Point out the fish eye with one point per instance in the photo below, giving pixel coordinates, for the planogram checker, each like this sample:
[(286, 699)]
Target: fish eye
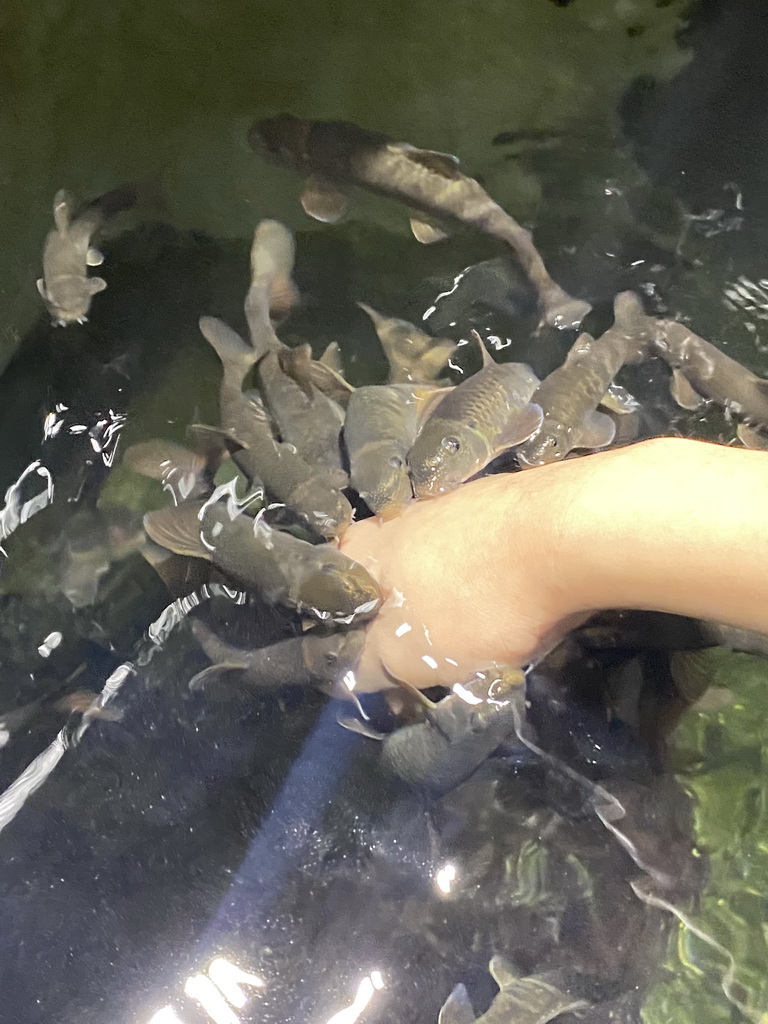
[(395, 462), (451, 444)]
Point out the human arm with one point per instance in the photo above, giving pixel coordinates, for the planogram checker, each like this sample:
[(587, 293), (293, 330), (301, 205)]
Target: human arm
[(496, 571)]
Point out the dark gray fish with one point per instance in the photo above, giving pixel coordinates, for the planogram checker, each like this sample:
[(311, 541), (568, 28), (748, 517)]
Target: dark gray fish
[(336, 156), (571, 394), (65, 287), (478, 420), (414, 357), (312, 660), (314, 579), (461, 731), (535, 999), (381, 425), (308, 490), (701, 371)]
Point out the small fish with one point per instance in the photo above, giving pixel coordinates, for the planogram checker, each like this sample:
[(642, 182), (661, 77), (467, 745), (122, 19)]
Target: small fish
[(478, 420), (272, 257), (702, 371), (87, 546), (536, 999), (317, 661), (414, 357), (12, 722), (310, 491), (336, 156), (381, 425), (65, 287), (314, 579), (460, 733), (187, 474), (571, 394)]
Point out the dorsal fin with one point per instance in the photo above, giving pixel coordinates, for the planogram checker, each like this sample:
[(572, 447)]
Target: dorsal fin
[(178, 529), (485, 355), (444, 164), (502, 972), (63, 205), (457, 1008), (296, 363)]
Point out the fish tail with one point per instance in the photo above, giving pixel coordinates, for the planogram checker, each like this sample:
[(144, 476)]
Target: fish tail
[(178, 529), (228, 345)]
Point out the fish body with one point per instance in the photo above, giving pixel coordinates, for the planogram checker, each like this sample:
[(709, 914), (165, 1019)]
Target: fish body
[(272, 257), (336, 155), (314, 579), (571, 394), (472, 425), (414, 357), (536, 999), (381, 425), (68, 252), (308, 490), (309, 661), (460, 733)]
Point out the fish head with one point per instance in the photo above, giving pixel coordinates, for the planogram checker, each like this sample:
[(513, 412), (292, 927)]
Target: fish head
[(392, 490), (446, 453), (339, 588), (281, 139), (331, 657), (68, 299), (551, 443), (324, 507)]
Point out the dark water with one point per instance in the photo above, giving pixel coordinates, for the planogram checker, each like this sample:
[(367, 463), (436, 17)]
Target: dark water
[(194, 833)]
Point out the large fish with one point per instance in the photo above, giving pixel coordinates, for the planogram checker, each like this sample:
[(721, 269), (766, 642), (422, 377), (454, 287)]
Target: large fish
[(319, 661), (65, 287), (337, 155), (571, 394), (316, 580), (476, 421), (381, 425), (536, 999), (309, 490), (413, 356)]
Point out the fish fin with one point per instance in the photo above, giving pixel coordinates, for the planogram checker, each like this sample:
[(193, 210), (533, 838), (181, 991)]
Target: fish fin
[(331, 358), (355, 725), (226, 343), (178, 530), (617, 399), (323, 200), (485, 355), (41, 289), (157, 458), (502, 972), (331, 383), (428, 397), (94, 258), (425, 232), (445, 164), (375, 316), (284, 296), (752, 437), (216, 649), (457, 1008), (519, 427), (683, 391), (201, 679), (410, 688), (296, 363), (82, 701), (598, 430), (96, 285), (212, 443), (63, 205)]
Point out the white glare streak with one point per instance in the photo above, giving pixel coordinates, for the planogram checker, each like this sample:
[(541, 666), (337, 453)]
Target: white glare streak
[(402, 630), (203, 991), (165, 1016), (229, 977), (444, 295), (15, 513), (50, 644), (349, 680), (365, 990), (464, 694), (445, 877), (429, 660)]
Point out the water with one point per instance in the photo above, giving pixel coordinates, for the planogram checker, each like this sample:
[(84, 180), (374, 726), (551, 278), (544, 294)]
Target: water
[(253, 829)]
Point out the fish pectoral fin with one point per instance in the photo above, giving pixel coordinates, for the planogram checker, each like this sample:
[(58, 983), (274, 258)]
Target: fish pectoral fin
[(752, 437), (519, 427), (41, 289), (178, 530), (597, 431), (502, 972), (683, 391), (332, 358), (62, 209), (409, 688), (445, 164), (94, 258), (323, 200), (96, 285), (201, 679), (618, 400), (355, 725), (457, 1008), (426, 232)]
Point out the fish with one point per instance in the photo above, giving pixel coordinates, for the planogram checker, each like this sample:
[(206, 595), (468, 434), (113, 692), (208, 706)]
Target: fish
[(186, 473), (571, 394), (473, 424), (318, 661), (87, 546), (536, 999), (316, 580), (336, 156), (414, 357), (68, 252), (461, 731), (272, 257), (12, 722), (701, 371), (381, 425), (310, 491)]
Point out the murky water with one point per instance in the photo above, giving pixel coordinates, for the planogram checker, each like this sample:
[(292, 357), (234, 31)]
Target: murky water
[(184, 856)]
